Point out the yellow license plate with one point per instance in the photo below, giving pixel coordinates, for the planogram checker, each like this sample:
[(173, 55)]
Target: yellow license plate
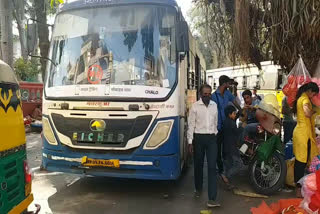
[(97, 162)]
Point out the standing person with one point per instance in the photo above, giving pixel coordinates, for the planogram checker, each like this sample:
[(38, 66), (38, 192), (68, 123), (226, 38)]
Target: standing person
[(222, 96), (231, 155), (288, 122), (235, 93), (202, 125), (237, 99), (304, 145)]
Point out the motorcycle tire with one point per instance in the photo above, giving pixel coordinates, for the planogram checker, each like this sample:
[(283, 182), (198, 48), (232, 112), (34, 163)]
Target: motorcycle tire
[(279, 180)]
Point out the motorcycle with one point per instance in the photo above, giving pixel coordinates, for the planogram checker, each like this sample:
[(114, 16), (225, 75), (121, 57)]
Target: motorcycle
[(266, 177)]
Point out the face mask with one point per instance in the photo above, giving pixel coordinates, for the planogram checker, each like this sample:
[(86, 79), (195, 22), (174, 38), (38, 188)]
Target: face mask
[(206, 100)]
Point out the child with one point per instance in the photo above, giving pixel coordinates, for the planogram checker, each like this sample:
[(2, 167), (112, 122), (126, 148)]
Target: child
[(231, 135)]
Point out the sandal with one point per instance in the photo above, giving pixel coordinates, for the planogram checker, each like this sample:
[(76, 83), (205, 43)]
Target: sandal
[(224, 179)]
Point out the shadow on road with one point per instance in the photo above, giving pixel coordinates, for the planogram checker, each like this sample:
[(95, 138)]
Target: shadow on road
[(113, 195), (97, 195)]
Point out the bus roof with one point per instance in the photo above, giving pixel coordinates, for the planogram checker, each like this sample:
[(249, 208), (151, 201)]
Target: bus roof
[(75, 4)]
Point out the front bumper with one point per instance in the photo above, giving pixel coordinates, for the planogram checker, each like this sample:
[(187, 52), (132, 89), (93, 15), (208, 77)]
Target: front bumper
[(23, 206), (139, 167)]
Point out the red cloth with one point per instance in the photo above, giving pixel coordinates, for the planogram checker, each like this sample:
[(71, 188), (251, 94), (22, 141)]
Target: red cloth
[(277, 208), (262, 209), (318, 179), (315, 202)]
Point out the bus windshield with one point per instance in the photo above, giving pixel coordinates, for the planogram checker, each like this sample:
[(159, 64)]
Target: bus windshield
[(130, 49)]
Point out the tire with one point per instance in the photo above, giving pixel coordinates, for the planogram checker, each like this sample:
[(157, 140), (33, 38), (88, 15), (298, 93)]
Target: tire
[(277, 178), (186, 156)]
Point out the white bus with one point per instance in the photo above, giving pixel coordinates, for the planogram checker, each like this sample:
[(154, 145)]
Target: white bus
[(116, 93)]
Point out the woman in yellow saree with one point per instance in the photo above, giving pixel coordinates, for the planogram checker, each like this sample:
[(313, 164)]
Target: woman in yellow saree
[(304, 146)]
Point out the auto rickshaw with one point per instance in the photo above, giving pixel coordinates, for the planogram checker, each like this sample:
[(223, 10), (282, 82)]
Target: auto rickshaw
[(15, 175)]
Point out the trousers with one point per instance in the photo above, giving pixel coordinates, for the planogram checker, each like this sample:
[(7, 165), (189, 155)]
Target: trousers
[(205, 145)]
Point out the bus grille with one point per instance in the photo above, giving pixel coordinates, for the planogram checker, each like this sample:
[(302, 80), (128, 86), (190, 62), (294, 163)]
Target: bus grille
[(12, 184), (116, 134)]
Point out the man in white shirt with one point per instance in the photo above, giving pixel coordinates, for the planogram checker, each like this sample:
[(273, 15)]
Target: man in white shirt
[(202, 131)]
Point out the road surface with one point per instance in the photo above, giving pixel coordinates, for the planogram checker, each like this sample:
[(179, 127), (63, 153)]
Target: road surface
[(62, 193)]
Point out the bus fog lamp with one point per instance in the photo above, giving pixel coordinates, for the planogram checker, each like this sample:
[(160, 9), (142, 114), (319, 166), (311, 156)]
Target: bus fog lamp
[(47, 132), (160, 134)]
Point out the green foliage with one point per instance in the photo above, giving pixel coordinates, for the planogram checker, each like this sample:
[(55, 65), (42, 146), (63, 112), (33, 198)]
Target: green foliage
[(56, 2), (53, 5), (27, 70), (207, 53)]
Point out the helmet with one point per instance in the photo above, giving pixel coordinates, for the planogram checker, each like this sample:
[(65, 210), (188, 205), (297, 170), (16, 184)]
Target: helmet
[(270, 105)]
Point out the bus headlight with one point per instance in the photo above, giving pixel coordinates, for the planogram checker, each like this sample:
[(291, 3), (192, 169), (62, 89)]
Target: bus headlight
[(159, 135), (47, 132)]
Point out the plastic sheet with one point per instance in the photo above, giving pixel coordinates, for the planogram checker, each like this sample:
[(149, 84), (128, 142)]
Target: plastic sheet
[(311, 192), (298, 76)]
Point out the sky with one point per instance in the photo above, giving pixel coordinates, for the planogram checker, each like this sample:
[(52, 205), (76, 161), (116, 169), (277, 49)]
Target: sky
[(185, 6)]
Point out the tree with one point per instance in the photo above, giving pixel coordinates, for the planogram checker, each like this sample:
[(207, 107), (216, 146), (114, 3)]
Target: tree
[(6, 31), (43, 32), (208, 54), (27, 70), (270, 29), (42, 9), (19, 15), (212, 26), (296, 31)]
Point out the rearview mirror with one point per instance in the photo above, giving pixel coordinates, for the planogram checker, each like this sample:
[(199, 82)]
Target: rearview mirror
[(32, 37), (182, 36)]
